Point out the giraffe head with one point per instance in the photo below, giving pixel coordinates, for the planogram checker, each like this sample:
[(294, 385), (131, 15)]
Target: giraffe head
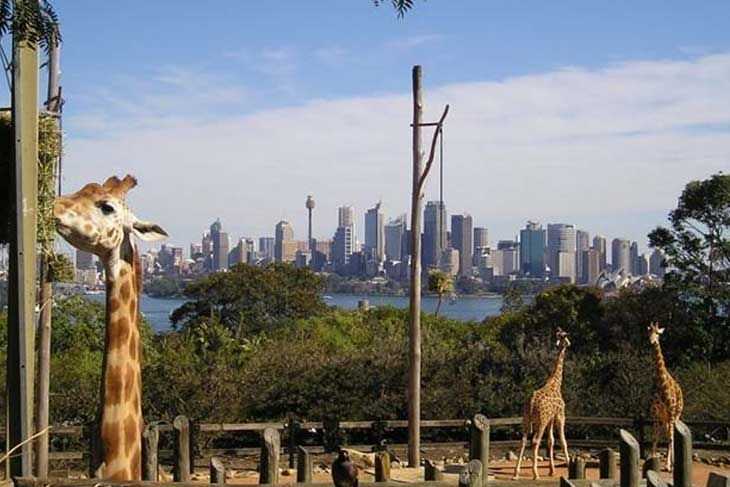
[(654, 332), (562, 336), (96, 218)]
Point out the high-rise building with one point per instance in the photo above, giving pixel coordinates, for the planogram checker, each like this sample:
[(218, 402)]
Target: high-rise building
[(461, 239), (642, 265), (375, 233), (243, 252), (591, 265), (266, 248), (634, 259), (434, 234), (621, 255), (481, 245), (506, 258), (561, 240), (395, 236), (450, 261), (582, 243), (220, 244), (343, 243), (196, 250), (532, 250), (84, 260), (599, 243), (309, 204), (284, 245), (656, 263)]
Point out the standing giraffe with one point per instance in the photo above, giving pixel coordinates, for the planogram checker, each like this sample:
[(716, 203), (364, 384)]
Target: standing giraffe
[(96, 219), (546, 409), (667, 405)]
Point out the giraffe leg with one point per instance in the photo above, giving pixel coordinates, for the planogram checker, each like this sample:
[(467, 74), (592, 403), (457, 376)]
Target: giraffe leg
[(670, 448), (519, 459), (658, 432), (561, 432), (535, 446), (551, 452)]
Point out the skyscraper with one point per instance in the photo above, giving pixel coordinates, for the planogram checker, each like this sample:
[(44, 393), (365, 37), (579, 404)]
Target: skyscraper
[(591, 263), (266, 248), (220, 244), (461, 240), (375, 233), (621, 255), (561, 250), (395, 236), (656, 263), (343, 243), (506, 258), (84, 260), (284, 244), (599, 243), (481, 245), (634, 259), (532, 250), (309, 204), (434, 234), (582, 243)]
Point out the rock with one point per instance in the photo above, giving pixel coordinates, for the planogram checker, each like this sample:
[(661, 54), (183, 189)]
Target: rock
[(510, 455), (695, 457)]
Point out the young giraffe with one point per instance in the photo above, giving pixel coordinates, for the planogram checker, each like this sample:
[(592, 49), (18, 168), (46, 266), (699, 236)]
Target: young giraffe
[(96, 219), (667, 405), (546, 409)]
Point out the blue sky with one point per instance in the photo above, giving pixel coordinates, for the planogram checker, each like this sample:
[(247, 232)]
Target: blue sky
[(561, 111)]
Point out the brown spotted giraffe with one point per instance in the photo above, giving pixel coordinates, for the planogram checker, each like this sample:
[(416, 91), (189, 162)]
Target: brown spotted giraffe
[(667, 405), (96, 219), (544, 410)]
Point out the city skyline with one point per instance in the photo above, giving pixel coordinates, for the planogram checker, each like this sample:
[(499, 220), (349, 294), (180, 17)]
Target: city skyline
[(601, 130)]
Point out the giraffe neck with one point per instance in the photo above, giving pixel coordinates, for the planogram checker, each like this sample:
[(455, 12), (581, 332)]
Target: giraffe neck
[(663, 377), (556, 378), (121, 415)]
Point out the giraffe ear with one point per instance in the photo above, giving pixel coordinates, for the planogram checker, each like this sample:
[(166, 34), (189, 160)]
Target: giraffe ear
[(148, 231), (660, 330)]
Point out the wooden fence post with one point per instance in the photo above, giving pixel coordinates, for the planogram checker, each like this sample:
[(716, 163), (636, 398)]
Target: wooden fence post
[(432, 472), (577, 468), (150, 440), (181, 428), (304, 466), (654, 480), (607, 459), (217, 471), (382, 466), (641, 425), (471, 476), (479, 445), (269, 461), (292, 428), (651, 463), (682, 455), (629, 449)]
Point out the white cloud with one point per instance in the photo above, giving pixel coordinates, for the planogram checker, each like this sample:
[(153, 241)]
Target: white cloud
[(413, 41), (572, 144)]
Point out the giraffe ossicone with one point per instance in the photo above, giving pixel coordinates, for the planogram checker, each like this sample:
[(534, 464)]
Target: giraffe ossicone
[(97, 219), (544, 410)]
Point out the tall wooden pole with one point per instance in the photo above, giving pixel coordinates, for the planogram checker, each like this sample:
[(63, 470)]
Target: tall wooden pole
[(22, 282), (53, 104), (414, 332)]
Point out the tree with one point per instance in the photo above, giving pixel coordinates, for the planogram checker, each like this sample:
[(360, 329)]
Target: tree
[(33, 21), (696, 250), (440, 283), (400, 6), (250, 300)]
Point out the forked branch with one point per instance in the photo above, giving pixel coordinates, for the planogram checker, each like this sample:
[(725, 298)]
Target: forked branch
[(432, 154)]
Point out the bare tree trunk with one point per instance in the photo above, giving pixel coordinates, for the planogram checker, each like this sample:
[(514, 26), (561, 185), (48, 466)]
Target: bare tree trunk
[(414, 331), (438, 306)]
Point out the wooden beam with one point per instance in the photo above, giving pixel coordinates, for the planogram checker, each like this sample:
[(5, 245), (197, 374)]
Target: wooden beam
[(22, 279)]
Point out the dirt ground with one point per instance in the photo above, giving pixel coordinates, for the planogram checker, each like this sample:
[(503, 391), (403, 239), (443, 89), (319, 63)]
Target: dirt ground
[(243, 471)]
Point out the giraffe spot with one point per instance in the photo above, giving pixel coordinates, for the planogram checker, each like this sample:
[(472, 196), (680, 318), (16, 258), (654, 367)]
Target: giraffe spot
[(133, 309), (111, 436), (125, 291), (133, 351), (114, 305), (110, 233), (136, 464), (132, 432), (88, 228), (124, 270), (135, 404), (119, 332), (130, 380), (114, 385)]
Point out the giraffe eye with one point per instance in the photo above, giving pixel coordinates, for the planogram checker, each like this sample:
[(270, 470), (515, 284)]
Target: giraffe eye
[(106, 208)]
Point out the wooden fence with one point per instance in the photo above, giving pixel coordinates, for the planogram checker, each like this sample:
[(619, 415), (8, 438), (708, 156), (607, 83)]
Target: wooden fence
[(627, 473)]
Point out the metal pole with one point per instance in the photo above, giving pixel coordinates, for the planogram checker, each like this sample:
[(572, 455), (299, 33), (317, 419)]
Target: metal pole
[(414, 332), (22, 282)]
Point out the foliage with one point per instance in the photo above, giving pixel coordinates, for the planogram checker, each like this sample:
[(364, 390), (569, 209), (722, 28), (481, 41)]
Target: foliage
[(33, 21), (400, 6), (440, 283), (164, 287), (697, 254), (249, 300)]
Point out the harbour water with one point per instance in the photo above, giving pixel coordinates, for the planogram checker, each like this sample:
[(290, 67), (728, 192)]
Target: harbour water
[(157, 311)]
